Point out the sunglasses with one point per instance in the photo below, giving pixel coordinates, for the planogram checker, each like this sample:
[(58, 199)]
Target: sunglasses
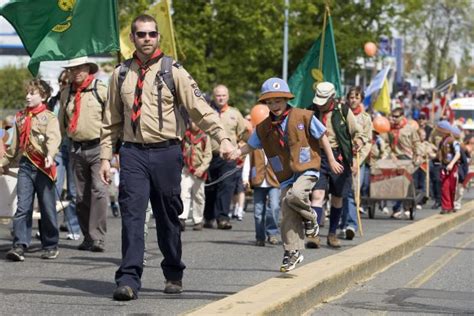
[(152, 34), (395, 116)]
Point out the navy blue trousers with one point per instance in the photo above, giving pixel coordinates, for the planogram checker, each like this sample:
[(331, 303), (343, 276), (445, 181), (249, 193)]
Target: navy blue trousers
[(155, 175)]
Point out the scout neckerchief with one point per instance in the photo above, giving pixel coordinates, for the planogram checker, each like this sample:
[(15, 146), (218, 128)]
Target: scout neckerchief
[(193, 139), (26, 125), (326, 113), (276, 125), (144, 67), (77, 102), (357, 110), (395, 131)]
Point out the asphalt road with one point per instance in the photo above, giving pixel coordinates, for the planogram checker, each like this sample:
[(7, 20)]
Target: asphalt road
[(437, 279), (219, 263)]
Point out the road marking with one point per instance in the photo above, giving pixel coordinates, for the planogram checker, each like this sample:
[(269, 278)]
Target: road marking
[(429, 272)]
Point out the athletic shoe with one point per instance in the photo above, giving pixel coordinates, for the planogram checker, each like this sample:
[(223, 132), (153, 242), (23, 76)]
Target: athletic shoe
[(313, 242), (16, 254), (290, 260), (50, 253), (173, 287), (73, 236), (350, 233), (311, 228), (124, 293), (85, 245), (332, 241), (260, 243)]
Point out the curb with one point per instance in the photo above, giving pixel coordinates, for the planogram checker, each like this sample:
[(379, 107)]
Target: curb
[(297, 292)]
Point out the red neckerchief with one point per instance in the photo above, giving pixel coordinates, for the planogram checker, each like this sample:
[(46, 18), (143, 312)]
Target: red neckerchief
[(276, 124), (143, 69), (193, 139), (77, 102), (395, 130), (26, 125), (357, 110), (325, 114)]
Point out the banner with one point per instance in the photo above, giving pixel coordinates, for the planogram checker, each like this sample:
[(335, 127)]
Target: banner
[(318, 65), (62, 30)]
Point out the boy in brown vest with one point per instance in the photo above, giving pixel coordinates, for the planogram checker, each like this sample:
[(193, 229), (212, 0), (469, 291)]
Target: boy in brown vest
[(291, 139), (37, 138)]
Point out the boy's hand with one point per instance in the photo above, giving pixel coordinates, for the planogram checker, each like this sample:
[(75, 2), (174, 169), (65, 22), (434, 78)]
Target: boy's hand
[(358, 144), (226, 148), (235, 154), (336, 167)]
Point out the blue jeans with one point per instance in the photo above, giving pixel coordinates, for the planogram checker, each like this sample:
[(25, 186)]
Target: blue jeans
[(349, 210), (30, 181), (64, 169), (420, 180), (266, 223)]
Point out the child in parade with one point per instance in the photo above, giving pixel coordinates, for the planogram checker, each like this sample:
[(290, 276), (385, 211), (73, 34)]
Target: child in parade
[(197, 155), (449, 153), (292, 139), (345, 138), (36, 138)]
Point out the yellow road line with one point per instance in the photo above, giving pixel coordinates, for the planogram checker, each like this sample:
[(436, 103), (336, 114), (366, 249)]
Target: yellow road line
[(429, 272)]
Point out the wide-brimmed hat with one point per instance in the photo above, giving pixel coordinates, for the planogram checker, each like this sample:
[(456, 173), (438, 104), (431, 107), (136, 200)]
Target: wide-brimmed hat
[(324, 91), (82, 61), (444, 127), (275, 88)]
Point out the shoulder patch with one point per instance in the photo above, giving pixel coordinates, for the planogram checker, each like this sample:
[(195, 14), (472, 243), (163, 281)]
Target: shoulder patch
[(300, 126), (197, 93), (177, 65)]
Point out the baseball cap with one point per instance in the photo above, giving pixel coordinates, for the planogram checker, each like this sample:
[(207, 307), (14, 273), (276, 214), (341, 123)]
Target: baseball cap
[(324, 91)]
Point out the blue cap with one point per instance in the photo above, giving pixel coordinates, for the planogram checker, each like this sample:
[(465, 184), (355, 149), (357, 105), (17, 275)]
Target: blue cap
[(456, 131), (275, 88), (444, 127)]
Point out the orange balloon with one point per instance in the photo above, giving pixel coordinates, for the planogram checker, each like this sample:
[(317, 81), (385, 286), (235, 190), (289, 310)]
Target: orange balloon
[(381, 124), (258, 113), (370, 49), (414, 123)]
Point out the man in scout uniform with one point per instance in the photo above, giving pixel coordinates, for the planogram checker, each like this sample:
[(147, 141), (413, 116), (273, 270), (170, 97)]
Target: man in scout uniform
[(80, 119), (219, 196), (349, 224), (291, 139), (146, 114), (197, 155), (36, 137), (345, 137), (405, 145)]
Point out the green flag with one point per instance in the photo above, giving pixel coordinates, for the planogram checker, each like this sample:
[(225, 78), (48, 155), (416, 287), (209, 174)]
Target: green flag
[(303, 81), (63, 29)]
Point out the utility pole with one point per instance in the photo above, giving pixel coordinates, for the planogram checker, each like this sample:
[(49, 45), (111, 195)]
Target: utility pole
[(285, 41)]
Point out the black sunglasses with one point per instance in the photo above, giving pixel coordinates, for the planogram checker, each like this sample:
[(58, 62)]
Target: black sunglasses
[(395, 116), (152, 34)]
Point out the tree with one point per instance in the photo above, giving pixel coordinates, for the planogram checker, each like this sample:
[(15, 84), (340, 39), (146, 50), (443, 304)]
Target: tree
[(12, 87)]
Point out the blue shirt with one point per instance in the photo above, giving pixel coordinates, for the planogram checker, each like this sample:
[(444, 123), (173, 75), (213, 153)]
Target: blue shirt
[(316, 130)]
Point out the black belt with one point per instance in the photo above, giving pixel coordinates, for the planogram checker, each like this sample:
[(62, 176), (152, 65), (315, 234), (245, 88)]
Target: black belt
[(164, 144), (87, 144)]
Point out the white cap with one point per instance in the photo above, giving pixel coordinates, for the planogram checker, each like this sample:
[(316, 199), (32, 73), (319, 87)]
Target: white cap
[(82, 61), (324, 91)]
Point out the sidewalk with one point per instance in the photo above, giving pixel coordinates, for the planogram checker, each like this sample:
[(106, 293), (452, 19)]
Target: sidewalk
[(219, 264)]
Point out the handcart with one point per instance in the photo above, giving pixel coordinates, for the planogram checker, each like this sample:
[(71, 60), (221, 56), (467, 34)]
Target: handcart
[(392, 180)]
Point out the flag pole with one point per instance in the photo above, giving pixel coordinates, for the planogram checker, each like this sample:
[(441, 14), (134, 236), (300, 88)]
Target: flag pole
[(323, 35), (448, 98), (433, 107), (285, 41)]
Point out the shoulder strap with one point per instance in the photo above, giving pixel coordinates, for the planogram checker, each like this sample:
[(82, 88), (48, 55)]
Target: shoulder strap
[(166, 74), (96, 94), (124, 67)]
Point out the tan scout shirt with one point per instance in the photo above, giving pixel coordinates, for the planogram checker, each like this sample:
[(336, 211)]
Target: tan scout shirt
[(364, 121), (117, 118), (44, 136), (234, 125), (354, 129), (90, 117), (408, 143)]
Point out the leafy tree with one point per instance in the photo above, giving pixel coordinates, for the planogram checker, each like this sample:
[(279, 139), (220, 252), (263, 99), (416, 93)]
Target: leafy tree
[(12, 87)]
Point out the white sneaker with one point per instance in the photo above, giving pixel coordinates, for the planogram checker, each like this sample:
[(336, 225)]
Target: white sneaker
[(418, 207), (457, 206), (73, 237), (385, 210), (407, 214), (361, 210)]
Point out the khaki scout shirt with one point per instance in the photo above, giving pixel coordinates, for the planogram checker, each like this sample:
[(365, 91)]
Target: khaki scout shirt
[(408, 143), (117, 118), (234, 125), (202, 157), (364, 122), (90, 117), (44, 136), (354, 129)]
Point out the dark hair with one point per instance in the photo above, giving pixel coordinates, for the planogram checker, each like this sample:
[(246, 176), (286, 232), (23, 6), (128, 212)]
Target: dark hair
[(41, 86), (358, 90), (63, 76), (143, 18)]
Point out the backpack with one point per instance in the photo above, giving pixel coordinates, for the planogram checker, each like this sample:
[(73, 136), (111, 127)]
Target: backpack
[(164, 75)]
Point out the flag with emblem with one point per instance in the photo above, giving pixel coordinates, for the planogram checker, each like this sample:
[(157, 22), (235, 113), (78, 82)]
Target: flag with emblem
[(161, 12), (63, 29), (319, 64)]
